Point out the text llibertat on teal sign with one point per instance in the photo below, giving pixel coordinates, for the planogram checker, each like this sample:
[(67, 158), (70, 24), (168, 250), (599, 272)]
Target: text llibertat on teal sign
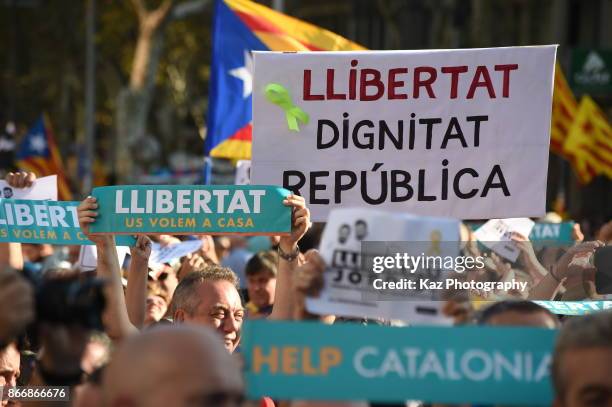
[(479, 365), (193, 209), (36, 221)]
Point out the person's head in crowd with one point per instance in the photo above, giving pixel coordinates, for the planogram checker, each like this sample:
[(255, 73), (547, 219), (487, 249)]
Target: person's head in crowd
[(167, 279), (96, 353), (582, 362), (551, 217), (9, 368), (36, 253), (518, 313), (210, 297), (172, 366), (89, 393), (604, 233), (156, 303), (73, 253), (261, 272), (222, 246), (238, 242)]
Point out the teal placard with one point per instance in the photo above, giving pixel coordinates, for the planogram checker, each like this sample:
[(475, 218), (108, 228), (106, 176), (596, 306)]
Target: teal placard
[(560, 233), (192, 209), (575, 307), (479, 365), (552, 232), (53, 222)]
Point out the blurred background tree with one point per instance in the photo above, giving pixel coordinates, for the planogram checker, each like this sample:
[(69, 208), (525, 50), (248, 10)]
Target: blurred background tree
[(153, 64)]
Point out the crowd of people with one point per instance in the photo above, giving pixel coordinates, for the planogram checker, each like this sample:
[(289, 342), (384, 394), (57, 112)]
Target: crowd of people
[(135, 335)]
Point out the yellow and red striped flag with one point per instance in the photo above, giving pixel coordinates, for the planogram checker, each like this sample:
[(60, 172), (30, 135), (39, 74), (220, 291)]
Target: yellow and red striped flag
[(590, 142), (279, 32), (564, 111)]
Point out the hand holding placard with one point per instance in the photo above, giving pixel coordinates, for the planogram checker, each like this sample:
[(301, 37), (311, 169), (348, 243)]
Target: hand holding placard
[(141, 251), (300, 221), (25, 185), (21, 179), (87, 215)]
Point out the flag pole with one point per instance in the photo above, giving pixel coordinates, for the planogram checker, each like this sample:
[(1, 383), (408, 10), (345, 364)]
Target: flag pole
[(90, 97)]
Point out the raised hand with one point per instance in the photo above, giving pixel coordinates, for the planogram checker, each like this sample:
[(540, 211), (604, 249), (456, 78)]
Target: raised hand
[(300, 222), (141, 251), (87, 213), (21, 179)]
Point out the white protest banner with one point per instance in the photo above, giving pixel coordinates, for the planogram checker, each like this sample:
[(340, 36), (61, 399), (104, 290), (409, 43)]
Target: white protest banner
[(243, 172), (349, 286), (459, 133), (165, 254), (495, 234), (88, 257), (44, 188)]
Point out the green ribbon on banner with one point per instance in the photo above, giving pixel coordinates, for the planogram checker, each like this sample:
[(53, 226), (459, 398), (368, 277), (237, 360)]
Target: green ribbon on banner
[(279, 95), (477, 365)]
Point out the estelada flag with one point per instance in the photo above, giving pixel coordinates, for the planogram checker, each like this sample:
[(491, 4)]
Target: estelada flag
[(39, 154), (242, 26), (590, 142)]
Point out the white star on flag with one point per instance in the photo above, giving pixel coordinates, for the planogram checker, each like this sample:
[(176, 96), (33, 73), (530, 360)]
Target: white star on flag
[(38, 143), (245, 74)]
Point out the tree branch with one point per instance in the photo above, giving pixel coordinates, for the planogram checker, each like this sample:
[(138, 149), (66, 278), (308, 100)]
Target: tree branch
[(139, 7), (157, 16)]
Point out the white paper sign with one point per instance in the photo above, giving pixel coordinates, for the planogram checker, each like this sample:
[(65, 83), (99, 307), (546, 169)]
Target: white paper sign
[(345, 292), (243, 172), (161, 255), (44, 188), (453, 133), (88, 256), (496, 235)]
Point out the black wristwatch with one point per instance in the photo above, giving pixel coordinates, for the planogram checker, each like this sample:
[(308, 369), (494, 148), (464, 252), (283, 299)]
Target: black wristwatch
[(289, 256)]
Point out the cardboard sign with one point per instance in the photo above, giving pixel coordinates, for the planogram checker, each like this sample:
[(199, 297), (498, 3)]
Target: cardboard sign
[(166, 254), (44, 188), (88, 257), (349, 289), (476, 365), (544, 232), (53, 222), (243, 172), (460, 133), (495, 234), (192, 209)]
